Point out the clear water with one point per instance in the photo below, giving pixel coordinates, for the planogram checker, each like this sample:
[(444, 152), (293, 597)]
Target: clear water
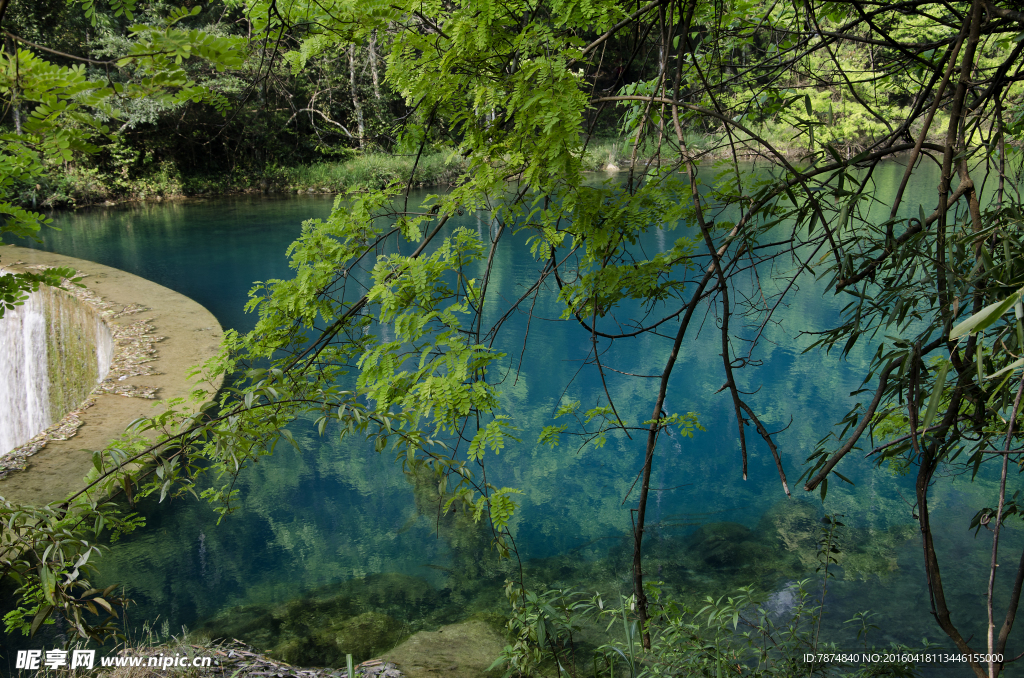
[(344, 531)]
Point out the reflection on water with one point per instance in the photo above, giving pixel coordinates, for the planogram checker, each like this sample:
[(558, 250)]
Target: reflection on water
[(336, 548)]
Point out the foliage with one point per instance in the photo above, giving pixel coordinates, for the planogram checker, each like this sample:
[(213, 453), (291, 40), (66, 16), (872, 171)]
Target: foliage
[(739, 633), (515, 90), (58, 581), (14, 289), (68, 111), (542, 627), (732, 634)]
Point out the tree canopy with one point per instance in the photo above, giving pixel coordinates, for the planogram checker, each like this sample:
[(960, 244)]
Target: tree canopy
[(816, 94)]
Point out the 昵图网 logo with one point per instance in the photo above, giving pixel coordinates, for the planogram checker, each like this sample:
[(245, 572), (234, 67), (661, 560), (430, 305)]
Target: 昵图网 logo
[(86, 659)]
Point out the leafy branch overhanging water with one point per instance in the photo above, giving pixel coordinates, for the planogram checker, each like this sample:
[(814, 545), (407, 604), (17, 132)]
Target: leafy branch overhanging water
[(507, 87)]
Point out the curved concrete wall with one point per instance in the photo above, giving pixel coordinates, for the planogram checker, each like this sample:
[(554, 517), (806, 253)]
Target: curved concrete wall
[(53, 351), (158, 335)]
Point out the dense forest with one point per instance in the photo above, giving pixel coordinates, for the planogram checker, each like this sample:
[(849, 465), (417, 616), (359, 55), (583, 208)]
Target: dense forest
[(510, 103), (293, 102), (282, 107), (267, 113)]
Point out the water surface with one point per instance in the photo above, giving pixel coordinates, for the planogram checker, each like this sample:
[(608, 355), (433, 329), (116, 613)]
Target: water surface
[(344, 526)]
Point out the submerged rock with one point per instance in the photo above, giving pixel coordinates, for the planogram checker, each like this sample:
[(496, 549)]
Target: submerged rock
[(726, 546), (463, 650), (368, 634), (363, 636), (782, 603), (794, 526), (320, 629), (721, 545), (869, 553)]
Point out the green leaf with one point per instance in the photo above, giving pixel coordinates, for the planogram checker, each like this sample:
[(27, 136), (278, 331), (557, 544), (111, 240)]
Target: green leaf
[(291, 439), (933, 401), (41, 616), (1012, 366), (843, 478), (985, 317), (47, 582)]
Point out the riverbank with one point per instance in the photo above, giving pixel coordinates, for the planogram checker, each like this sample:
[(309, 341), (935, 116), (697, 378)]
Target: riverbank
[(74, 187), (227, 658), (82, 187), (463, 650)]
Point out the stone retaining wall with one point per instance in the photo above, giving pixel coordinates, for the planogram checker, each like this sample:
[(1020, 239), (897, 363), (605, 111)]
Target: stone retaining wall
[(157, 334)]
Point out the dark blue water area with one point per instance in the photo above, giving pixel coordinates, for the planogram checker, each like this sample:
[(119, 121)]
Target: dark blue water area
[(310, 522), (210, 251)]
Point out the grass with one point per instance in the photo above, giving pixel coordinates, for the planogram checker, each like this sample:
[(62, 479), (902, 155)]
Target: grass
[(70, 186), (371, 169)]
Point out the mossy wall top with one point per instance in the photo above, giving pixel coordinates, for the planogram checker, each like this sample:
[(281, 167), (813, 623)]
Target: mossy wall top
[(53, 351)]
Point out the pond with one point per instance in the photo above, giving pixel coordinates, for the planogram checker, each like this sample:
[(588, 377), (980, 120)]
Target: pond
[(341, 530)]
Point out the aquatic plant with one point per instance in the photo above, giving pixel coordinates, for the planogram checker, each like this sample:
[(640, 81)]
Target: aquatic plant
[(738, 632)]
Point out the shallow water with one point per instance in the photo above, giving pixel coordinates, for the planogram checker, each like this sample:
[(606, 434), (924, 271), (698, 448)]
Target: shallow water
[(344, 526)]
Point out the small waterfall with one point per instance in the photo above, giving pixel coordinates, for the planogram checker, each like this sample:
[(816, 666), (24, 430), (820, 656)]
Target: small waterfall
[(53, 350), (24, 386)]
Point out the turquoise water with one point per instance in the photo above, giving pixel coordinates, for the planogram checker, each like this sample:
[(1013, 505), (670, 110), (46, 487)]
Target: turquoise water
[(343, 526)]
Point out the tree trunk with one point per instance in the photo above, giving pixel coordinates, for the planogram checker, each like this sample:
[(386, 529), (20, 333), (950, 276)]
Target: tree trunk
[(356, 104), (12, 50), (373, 64)]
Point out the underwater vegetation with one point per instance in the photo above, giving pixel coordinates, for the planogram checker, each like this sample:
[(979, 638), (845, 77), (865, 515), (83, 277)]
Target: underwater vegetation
[(718, 557), (785, 542), (362, 617), (368, 616)]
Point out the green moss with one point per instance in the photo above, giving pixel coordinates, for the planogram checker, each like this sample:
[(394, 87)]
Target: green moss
[(873, 552), (328, 641), (464, 650), (364, 636), (71, 358)]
